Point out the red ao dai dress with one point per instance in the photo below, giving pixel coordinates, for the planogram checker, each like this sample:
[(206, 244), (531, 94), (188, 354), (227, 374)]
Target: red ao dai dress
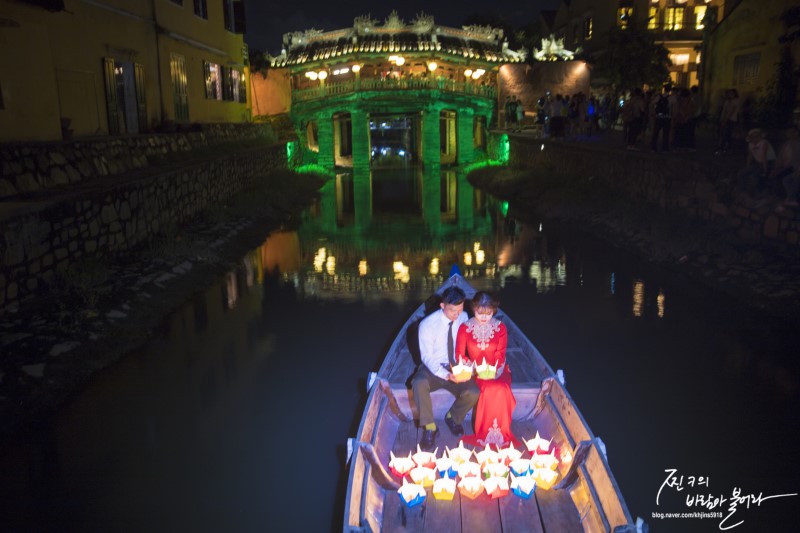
[(488, 341)]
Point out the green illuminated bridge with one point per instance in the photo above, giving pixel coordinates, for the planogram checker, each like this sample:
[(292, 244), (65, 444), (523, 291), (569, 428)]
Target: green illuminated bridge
[(396, 94)]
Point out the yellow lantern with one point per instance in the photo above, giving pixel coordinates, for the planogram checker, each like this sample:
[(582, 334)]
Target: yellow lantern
[(444, 488), (462, 371), (548, 461), (545, 478)]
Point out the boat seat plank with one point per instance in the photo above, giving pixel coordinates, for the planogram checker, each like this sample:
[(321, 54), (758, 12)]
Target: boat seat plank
[(558, 512), (520, 516), (443, 516), (480, 515)]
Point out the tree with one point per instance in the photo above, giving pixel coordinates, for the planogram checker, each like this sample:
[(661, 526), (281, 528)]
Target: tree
[(777, 106), (631, 59)]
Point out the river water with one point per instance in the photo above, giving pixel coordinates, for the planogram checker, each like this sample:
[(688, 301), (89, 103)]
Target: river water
[(235, 416)]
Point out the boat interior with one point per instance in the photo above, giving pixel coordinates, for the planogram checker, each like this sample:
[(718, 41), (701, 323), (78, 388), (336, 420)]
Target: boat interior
[(585, 497)]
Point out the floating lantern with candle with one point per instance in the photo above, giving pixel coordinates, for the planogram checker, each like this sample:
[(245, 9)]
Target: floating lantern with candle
[(444, 488), (523, 486), (520, 467), (422, 475), (507, 455), (486, 371), (427, 459), (538, 444), (411, 494), (459, 454), (469, 469), (446, 467), (400, 466), (545, 477), (471, 487), (496, 487), (487, 455), (495, 470), (547, 460), (462, 371)]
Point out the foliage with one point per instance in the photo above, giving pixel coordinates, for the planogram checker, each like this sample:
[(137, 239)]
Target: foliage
[(632, 59), (776, 107), (258, 62)]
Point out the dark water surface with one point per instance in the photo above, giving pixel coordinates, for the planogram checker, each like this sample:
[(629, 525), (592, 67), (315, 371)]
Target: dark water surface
[(235, 417)]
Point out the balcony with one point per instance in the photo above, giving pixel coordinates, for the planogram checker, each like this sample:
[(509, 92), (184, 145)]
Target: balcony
[(403, 84)]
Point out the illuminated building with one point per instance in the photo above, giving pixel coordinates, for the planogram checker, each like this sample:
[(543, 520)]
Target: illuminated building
[(393, 94), (77, 68)]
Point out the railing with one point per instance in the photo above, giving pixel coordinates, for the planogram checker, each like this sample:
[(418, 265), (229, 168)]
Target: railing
[(390, 84)]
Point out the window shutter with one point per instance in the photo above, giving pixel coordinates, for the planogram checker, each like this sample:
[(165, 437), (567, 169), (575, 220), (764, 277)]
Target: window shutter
[(141, 97), (112, 105), (239, 21)]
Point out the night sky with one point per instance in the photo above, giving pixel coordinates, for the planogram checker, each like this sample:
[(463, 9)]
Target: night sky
[(268, 20)]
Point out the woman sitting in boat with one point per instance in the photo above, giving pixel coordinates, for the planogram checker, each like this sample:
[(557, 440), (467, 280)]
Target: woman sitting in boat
[(483, 340)]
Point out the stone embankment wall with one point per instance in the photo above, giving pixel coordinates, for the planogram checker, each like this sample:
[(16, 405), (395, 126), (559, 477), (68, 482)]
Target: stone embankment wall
[(45, 235), (30, 168), (673, 182)]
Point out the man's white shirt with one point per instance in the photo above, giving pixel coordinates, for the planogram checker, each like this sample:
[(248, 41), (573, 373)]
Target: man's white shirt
[(433, 341)]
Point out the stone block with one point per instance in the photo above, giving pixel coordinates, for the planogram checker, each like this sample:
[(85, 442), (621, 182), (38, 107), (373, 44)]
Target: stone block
[(47, 260), (14, 254), (90, 246), (73, 175), (12, 291), (125, 211), (108, 214), (26, 183), (61, 253), (7, 189), (57, 158), (58, 176), (791, 237)]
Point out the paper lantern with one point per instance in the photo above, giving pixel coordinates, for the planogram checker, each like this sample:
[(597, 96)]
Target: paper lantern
[(496, 487), (520, 467), (462, 371), (400, 466), (411, 494), (460, 454), (487, 455), (444, 488), (427, 459), (469, 469), (446, 467), (495, 470), (538, 445), (523, 486), (545, 477), (486, 371), (422, 475), (547, 460), (471, 487), (507, 455)]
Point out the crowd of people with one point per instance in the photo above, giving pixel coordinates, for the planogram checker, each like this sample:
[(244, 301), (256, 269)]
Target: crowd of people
[(667, 121)]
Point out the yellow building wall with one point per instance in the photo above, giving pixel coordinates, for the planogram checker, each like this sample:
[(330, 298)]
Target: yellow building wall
[(30, 98), (752, 27), (199, 40), (58, 72)]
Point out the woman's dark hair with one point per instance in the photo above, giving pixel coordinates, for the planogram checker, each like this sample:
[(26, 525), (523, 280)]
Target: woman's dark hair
[(483, 299)]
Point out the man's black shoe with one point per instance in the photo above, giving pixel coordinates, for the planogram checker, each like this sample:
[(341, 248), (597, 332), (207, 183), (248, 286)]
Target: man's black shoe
[(428, 441), (455, 429)]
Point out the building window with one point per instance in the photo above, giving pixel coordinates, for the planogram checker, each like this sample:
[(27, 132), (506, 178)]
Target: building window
[(624, 15), (673, 18), (213, 77), (233, 15), (233, 88), (699, 15), (587, 28), (201, 8), (652, 19), (746, 68), (2, 105)]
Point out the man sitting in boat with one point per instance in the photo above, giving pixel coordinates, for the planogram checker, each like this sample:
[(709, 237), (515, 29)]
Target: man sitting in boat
[(483, 339), (437, 333)]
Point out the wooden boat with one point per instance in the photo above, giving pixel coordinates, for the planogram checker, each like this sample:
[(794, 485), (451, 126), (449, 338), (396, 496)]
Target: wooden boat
[(585, 498)]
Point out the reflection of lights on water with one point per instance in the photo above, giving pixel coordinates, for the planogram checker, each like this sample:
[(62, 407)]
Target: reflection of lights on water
[(540, 226), (434, 268), (401, 272), (542, 148), (467, 258), (561, 273), (513, 271), (660, 302), (319, 259), (613, 284), (231, 289), (480, 256), (362, 267), (330, 265), (476, 247), (638, 297)]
